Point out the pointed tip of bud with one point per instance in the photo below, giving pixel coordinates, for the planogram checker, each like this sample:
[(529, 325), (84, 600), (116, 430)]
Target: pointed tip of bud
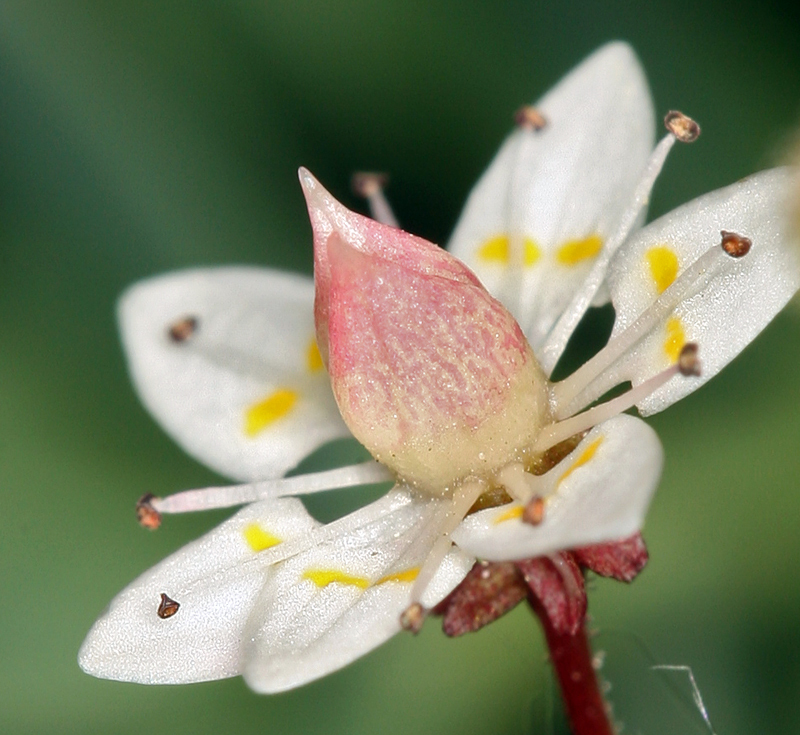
[(327, 214), (688, 361), (682, 126), (313, 191), (307, 180)]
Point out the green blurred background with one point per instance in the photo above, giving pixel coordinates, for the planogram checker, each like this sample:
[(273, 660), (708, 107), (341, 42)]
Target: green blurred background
[(141, 137)]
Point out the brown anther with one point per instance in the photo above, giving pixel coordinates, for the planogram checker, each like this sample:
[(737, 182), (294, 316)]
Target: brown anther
[(533, 513), (681, 126), (182, 329), (688, 362), (735, 245), (530, 118), (367, 183), (168, 607), (146, 514), (412, 618)]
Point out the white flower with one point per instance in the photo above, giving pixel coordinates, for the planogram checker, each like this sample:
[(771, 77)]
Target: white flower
[(435, 378)]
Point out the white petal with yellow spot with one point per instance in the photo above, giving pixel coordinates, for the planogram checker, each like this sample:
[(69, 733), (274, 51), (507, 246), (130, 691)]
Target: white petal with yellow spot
[(274, 595), (216, 581), (599, 492), (240, 385), (329, 605), (732, 300), (539, 216)]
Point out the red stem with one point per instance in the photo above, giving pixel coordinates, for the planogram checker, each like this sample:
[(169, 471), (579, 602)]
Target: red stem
[(571, 657)]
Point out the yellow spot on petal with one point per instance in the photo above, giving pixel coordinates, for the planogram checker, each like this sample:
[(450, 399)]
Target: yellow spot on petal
[(258, 539), (584, 457), (573, 252), (407, 575), (497, 250), (532, 252), (663, 266), (268, 410), (676, 338), (313, 358), (510, 514), (324, 577)]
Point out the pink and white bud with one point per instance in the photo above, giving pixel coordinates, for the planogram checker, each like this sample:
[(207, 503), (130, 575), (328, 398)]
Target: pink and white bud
[(431, 373)]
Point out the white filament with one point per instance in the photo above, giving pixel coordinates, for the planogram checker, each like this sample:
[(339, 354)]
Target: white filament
[(379, 206), (445, 521), (224, 497), (557, 432), (585, 385), (557, 340)]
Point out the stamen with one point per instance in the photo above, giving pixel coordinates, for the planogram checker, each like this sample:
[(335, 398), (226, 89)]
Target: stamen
[(509, 291), (146, 514), (388, 504), (412, 618), (530, 118), (735, 245), (687, 365), (148, 508), (167, 607), (521, 485), (447, 520), (370, 185), (533, 513), (184, 334), (183, 329), (588, 383), (682, 126), (557, 340)]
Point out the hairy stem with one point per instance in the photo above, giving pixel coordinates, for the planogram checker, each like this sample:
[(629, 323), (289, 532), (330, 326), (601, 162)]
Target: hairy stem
[(571, 657)]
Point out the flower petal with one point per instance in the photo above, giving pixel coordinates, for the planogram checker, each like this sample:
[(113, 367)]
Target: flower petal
[(225, 360), (735, 297), (325, 607), (600, 492), (216, 580), (540, 214)]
